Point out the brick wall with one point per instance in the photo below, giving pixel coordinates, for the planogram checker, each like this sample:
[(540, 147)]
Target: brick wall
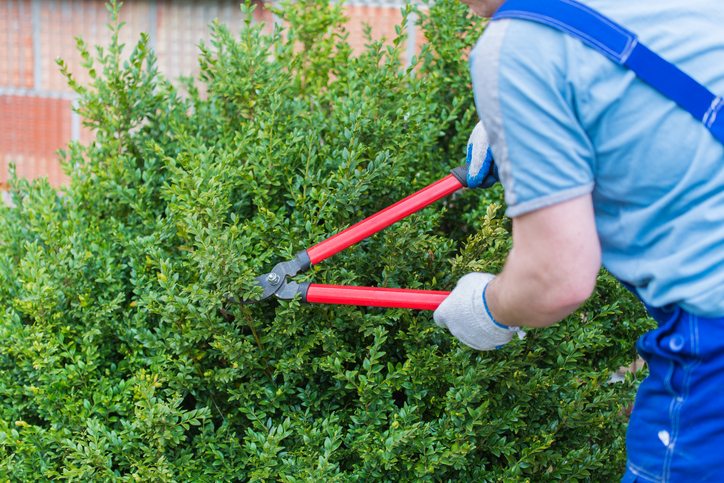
[(36, 118)]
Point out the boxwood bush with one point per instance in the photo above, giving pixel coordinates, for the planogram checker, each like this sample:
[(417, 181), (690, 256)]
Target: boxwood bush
[(121, 360)]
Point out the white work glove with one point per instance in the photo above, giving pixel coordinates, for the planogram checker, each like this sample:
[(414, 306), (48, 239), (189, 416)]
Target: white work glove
[(465, 314), (482, 170)]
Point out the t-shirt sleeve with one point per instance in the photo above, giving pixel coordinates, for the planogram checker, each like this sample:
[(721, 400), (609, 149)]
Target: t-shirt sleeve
[(523, 79)]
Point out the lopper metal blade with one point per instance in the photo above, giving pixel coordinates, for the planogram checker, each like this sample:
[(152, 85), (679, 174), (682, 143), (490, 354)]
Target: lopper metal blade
[(275, 283)]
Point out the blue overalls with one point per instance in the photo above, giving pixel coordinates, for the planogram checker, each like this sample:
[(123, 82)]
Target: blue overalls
[(676, 431)]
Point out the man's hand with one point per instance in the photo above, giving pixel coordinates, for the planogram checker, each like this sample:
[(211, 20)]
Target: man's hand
[(482, 171), (465, 315)]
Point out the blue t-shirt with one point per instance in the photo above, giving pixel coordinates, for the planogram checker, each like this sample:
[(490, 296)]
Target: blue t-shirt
[(565, 121)]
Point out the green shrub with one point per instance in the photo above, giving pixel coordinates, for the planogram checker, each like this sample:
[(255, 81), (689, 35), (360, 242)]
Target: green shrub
[(121, 361)]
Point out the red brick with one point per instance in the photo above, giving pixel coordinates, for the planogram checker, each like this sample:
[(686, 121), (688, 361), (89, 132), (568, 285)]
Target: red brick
[(4, 52), (26, 44), (31, 130)]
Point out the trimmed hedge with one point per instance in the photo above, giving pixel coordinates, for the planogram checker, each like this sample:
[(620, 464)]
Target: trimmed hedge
[(121, 361)]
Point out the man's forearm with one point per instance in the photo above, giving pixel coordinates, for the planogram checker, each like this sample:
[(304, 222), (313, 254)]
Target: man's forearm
[(519, 297), (552, 268)]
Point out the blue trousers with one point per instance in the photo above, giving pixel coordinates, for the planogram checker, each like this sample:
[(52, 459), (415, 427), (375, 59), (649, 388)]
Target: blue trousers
[(676, 430)]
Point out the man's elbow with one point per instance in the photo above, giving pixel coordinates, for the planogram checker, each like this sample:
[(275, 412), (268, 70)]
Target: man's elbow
[(564, 296)]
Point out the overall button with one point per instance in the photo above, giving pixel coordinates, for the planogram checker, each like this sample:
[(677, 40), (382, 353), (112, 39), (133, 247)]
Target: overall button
[(676, 343)]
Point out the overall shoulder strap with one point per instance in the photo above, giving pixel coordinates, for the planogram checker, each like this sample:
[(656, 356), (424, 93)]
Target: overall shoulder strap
[(622, 46)]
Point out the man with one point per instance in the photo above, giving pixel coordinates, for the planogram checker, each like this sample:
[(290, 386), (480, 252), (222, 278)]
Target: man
[(599, 166)]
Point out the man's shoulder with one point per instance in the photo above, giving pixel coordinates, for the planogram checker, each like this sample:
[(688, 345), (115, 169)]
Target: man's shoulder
[(674, 29), (523, 50), (515, 54)]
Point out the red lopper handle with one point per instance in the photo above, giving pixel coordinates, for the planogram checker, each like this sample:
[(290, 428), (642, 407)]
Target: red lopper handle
[(375, 297), (383, 219)]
